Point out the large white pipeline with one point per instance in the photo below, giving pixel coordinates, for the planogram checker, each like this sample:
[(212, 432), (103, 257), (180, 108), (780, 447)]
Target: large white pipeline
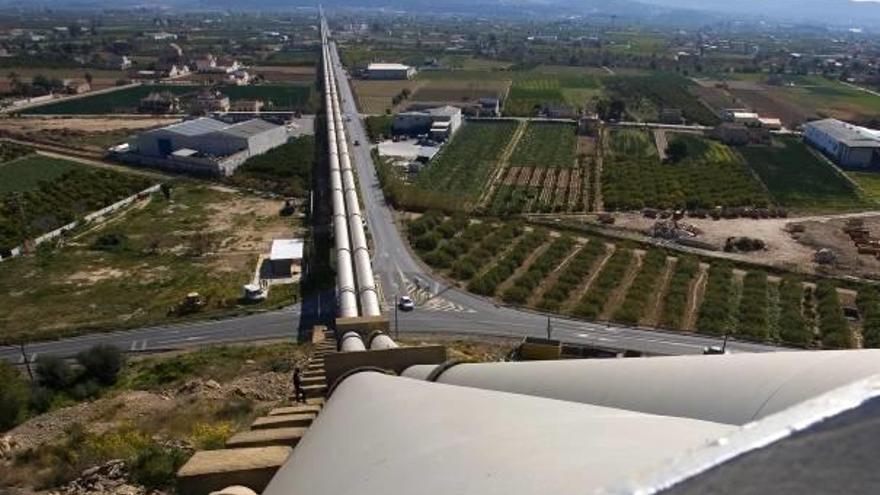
[(369, 296), (345, 274)]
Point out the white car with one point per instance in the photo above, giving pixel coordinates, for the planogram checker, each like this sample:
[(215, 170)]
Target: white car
[(406, 303)]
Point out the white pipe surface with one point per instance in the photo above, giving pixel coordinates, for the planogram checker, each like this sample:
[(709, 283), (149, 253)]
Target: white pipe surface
[(345, 279), (366, 282), (352, 342), (387, 435), (733, 389), (382, 341)]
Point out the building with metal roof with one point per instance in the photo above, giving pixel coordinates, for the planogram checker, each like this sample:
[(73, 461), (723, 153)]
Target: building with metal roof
[(848, 145), (213, 147)]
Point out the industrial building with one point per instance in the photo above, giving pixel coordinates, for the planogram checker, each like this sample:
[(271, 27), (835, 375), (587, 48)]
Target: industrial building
[(439, 123), (848, 145), (390, 71), (205, 145)]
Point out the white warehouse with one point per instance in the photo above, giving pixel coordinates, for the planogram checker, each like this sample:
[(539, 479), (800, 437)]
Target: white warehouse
[(390, 71), (848, 145), (206, 145)]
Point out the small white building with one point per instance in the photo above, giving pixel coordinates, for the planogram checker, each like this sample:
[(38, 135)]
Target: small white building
[(285, 258), (385, 71)]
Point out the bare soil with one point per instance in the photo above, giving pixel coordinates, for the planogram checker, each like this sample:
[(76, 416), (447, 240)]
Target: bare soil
[(695, 297), (652, 317)]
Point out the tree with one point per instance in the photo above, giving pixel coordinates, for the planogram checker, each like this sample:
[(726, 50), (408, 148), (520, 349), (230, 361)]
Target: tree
[(88, 78), (676, 151), (14, 396), (102, 362), (53, 372)]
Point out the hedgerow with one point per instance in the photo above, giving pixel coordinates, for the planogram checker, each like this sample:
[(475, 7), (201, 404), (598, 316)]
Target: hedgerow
[(643, 286), (591, 305), (675, 305)]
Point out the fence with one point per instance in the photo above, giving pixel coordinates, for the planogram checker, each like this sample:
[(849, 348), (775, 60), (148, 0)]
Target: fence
[(91, 217)]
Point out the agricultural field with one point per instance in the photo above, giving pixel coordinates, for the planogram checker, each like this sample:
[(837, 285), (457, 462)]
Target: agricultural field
[(100, 78), (645, 96), (285, 170), (458, 92), (302, 97), (40, 193), (709, 175), (376, 97), (92, 134), (299, 97), (463, 165), (121, 101), (205, 239), (543, 173), (799, 179), (588, 277)]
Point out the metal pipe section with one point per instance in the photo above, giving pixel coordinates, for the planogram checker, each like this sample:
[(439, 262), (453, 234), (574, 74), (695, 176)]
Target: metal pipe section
[(345, 282), (392, 435), (352, 342), (733, 389), (369, 296), (381, 341)]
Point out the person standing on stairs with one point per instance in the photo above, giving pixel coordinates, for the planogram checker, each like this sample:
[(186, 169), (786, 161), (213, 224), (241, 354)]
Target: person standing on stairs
[(299, 395)]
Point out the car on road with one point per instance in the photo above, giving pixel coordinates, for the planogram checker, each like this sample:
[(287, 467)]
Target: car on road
[(357, 143), (406, 303), (715, 350)]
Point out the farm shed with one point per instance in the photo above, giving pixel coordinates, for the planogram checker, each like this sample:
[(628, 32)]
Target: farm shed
[(848, 145), (285, 258)]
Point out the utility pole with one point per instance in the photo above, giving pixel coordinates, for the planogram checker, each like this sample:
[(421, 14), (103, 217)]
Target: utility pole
[(396, 328), (27, 362), (549, 329)]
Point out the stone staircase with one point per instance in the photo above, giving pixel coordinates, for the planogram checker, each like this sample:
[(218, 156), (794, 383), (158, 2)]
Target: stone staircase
[(251, 457)]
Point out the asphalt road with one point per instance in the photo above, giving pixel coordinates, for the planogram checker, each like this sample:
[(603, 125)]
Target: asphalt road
[(439, 308)]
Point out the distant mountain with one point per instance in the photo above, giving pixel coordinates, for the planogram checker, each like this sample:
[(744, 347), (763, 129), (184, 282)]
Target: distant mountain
[(842, 12)]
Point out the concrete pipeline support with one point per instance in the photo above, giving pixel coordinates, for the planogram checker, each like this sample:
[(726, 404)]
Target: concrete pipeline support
[(396, 436), (733, 389), (352, 342), (366, 282), (345, 283), (380, 341)]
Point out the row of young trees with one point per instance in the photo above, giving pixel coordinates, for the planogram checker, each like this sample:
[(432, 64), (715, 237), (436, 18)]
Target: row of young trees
[(754, 316), (526, 283), (643, 287), (793, 327), (678, 291), (487, 283), (715, 309), (869, 307), (575, 271), (488, 247), (593, 302), (834, 330)]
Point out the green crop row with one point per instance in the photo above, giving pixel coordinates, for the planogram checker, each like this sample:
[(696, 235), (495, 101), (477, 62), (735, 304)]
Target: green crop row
[(833, 327), (468, 266), (572, 275), (677, 294), (715, 308), (590, 306), (793, 327), (526, 283), (456, 247), (643, 286), (488, 283), (754, 321)]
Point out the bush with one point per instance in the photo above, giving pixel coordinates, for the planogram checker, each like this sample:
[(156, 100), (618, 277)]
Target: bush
[(53, 372), (111, 242), (41, 399), (102, 362), (208, 436), (793, 329), (155, 466), (14, 396)]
